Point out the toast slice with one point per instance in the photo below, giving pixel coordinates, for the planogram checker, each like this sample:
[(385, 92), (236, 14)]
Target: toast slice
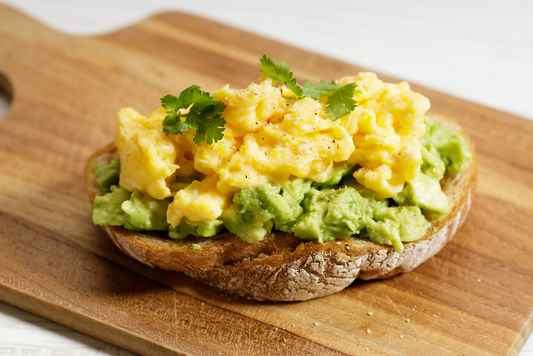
[(283, 267)]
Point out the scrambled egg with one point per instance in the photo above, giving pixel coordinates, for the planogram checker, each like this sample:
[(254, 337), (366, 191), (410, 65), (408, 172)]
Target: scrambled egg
[(147, 154), (271, 136)]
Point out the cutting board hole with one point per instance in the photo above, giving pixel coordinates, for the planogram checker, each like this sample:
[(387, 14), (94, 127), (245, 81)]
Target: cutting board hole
[(6, 95)]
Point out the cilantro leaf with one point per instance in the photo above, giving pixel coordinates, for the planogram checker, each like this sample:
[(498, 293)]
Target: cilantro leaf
[(341, 102), (205, 115), (173, 104), (317, 91), (340, 98), (211, 129), (279, 73)]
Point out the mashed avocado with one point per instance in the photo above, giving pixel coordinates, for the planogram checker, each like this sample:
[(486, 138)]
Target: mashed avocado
[(108, 175), (424, 191), (337, 208), (323, 214), (142, 212), (195, 228), (449, 145), (107, 209)]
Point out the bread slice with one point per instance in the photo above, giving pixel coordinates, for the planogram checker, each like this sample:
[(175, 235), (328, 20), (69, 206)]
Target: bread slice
[(283, 267)]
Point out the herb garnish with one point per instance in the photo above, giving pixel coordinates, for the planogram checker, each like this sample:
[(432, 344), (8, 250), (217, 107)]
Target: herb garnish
[(340, 98), (204, 115)]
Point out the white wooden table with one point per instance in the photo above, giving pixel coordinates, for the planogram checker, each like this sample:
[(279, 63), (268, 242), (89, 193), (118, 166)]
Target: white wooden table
[(478, 50)]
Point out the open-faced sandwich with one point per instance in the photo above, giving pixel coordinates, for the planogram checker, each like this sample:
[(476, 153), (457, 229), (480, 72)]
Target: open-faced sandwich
[(283, 191)]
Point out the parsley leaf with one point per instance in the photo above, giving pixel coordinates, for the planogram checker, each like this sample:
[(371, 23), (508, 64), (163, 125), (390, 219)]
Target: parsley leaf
[(205, 115), (340, 98)]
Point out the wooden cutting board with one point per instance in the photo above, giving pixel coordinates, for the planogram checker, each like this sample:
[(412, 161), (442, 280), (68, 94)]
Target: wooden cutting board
[(474, 298)]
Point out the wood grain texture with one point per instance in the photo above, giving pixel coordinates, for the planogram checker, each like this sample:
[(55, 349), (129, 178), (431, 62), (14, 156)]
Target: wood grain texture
[(474, 298)]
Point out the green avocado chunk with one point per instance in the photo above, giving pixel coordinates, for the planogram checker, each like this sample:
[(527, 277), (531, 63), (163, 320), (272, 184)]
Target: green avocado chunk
[(449, 144), (181, 182), (293, 193), (392, 225), (142, 212), (425, 190), (254, 210), (340, 170), (329, 214), (196, 228), (245, 224), (426, 193), (106, 208), (108, 175), (432, 164)]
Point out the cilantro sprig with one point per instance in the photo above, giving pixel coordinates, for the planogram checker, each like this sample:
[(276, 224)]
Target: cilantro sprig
[(340, 101), (279, 73), (204, 115)]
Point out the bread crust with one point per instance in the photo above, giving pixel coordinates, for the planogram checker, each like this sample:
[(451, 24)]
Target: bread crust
[(282, 267)]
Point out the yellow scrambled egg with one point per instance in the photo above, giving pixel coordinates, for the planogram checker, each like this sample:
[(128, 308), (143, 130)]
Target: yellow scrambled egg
[(147, 154), (271, 136)]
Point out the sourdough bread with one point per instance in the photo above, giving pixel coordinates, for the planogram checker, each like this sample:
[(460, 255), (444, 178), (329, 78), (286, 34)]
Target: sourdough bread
[(283, 267)]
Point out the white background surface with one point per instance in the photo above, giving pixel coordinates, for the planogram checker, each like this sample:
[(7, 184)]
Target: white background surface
[(481, 51)]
